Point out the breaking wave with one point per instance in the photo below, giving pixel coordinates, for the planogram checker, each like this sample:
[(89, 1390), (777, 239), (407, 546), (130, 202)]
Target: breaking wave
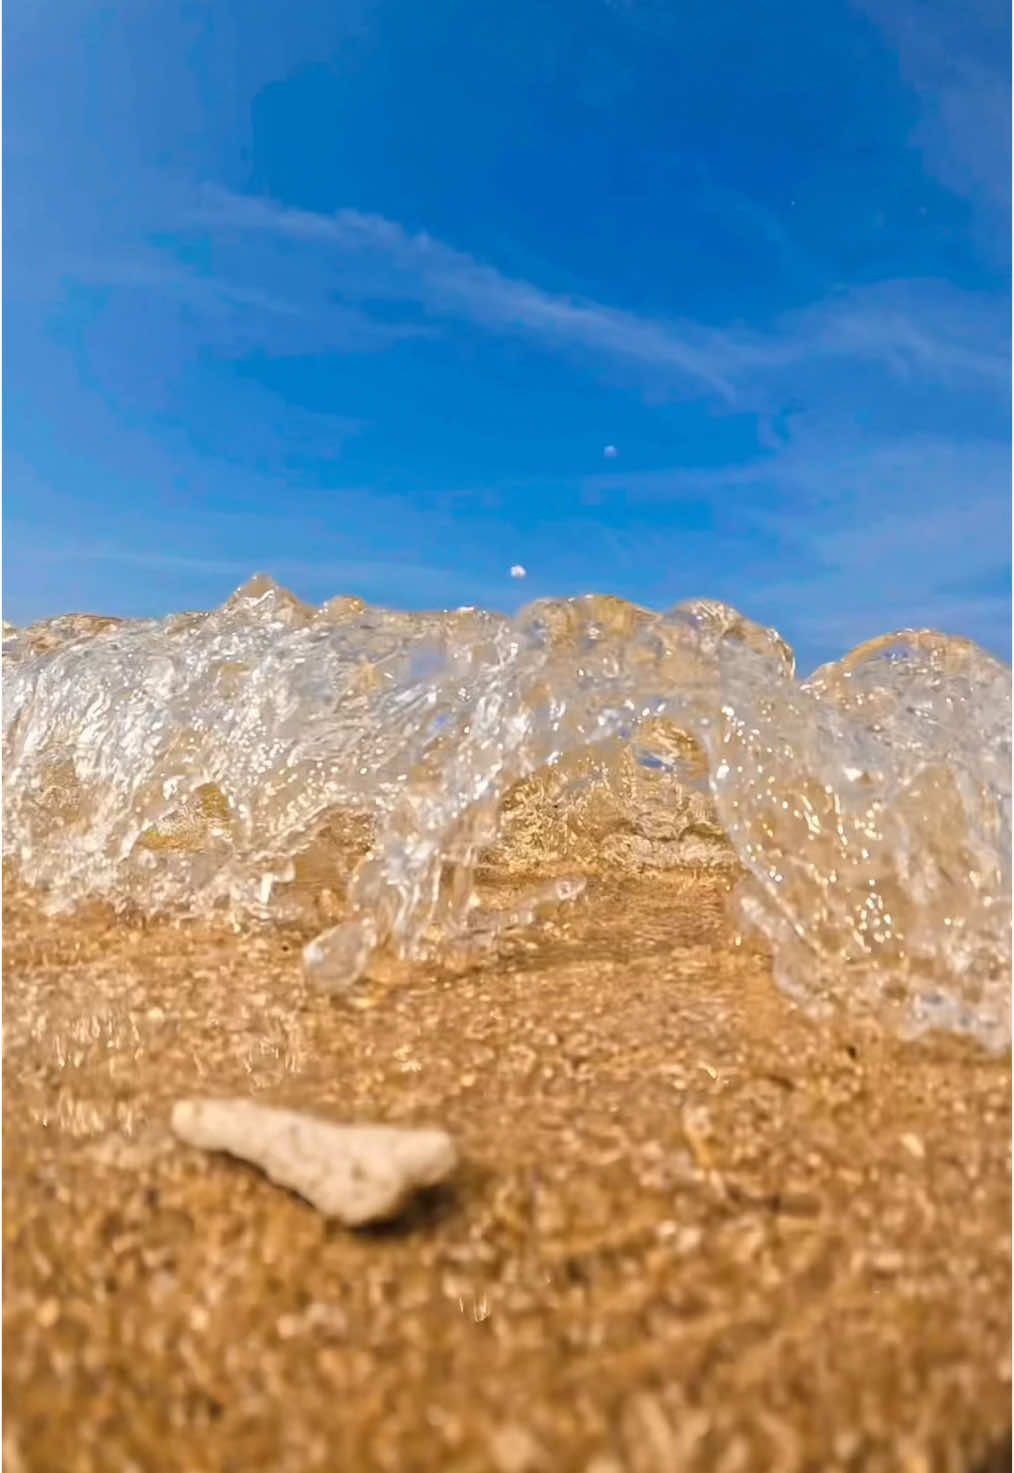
[(273, 760)]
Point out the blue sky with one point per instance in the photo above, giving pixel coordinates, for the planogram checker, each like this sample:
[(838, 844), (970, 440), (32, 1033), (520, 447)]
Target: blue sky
[(358, 293)]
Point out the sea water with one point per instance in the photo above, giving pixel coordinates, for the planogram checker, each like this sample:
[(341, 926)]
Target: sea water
[(192, 764)]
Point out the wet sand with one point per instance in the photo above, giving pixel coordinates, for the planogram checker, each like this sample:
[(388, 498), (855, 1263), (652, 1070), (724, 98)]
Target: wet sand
[(692, 1229)]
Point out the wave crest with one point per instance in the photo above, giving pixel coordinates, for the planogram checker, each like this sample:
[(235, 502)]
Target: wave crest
[(249, 758)]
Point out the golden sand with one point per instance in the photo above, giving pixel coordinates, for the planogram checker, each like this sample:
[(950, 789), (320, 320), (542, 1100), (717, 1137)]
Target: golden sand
[(693, 1229)]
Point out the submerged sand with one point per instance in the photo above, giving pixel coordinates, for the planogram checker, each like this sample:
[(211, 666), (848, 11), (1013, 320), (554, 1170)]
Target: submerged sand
[(693, 1229)]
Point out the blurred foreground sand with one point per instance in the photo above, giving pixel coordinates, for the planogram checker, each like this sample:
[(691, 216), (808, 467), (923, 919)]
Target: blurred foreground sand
[(693, 1229)]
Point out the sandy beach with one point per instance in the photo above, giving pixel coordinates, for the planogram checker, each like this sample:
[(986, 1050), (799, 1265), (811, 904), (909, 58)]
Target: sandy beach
[(692, 1228)]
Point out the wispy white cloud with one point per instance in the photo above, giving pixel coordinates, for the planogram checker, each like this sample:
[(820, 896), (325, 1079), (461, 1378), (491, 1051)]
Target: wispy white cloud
[(377, 258), (824, 464), (917, 328), (910, 328), (956, 55), (834, 536), (886, 536), (239, 318)]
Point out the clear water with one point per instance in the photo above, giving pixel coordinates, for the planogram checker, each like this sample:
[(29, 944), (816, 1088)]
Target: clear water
[(205, 762)]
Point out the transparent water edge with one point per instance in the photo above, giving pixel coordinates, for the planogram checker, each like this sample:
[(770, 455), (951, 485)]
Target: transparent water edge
[(198, 763)]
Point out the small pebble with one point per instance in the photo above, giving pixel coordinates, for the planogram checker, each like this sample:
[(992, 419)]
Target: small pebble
[(355, 1173)]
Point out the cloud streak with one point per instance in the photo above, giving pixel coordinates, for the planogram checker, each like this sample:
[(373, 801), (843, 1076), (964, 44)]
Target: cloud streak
[(956, 56), (240, 318), (911, 329)]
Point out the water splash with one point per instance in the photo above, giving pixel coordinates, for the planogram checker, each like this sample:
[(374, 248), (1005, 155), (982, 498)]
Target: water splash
[(214, 761)]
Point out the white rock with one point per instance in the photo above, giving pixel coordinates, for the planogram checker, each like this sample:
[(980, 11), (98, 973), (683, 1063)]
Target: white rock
[(356, 1173)]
